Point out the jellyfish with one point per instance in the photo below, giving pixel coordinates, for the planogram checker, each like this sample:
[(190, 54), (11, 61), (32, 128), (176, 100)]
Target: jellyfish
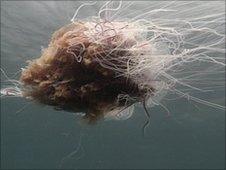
[(107, 63)]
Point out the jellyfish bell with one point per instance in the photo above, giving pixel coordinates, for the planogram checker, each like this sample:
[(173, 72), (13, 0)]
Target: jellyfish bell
[(84, 70)]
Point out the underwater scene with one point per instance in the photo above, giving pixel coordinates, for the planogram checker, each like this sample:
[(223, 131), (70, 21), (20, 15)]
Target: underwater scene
[(112, 84)]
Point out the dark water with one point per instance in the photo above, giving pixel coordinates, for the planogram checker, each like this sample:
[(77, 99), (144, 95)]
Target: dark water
[(36, 136)]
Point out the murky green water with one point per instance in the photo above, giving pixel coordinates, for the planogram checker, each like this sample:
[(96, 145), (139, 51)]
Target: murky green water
[(36, 136)]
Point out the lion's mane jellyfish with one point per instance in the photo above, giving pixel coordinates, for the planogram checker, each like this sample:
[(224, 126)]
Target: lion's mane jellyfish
[(102, 66), (84, 69)]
